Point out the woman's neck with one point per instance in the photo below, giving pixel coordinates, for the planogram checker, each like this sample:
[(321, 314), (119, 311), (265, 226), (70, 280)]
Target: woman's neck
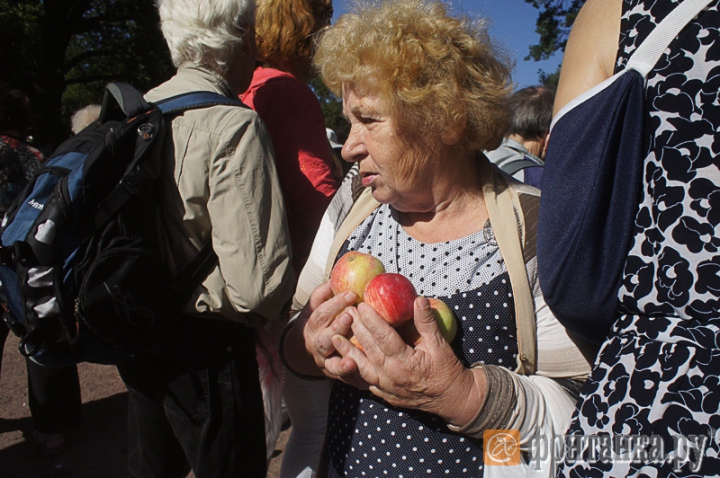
[(456, 206), (299, 68)]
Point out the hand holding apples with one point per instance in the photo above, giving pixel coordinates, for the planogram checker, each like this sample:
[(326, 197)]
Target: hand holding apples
[(391, 295)]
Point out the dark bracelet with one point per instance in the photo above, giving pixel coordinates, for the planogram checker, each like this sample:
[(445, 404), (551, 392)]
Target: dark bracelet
[(281, 352)]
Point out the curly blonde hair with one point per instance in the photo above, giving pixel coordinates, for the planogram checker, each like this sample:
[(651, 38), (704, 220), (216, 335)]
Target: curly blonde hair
[(286, 28), (434, 70)]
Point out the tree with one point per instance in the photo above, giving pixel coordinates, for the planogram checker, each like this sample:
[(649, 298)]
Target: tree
[(331, 107), (62, 53), (553, 25)]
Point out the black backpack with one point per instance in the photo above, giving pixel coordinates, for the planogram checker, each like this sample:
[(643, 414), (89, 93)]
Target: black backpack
[(81, 258)]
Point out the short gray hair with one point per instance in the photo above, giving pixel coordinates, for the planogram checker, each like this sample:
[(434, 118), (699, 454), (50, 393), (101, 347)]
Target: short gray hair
[(205, 32), (531, 109), (83, 117)]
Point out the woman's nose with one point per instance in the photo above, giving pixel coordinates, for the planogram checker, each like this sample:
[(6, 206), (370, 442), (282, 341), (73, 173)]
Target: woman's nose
[(353, 150)]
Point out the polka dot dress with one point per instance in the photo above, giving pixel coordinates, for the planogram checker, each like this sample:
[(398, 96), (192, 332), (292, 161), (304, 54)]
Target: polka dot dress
[(369, 438)]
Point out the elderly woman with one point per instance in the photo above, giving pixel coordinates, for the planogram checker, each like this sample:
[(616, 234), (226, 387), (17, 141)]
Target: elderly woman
[(195, 403), (291, 111), (425, 94)]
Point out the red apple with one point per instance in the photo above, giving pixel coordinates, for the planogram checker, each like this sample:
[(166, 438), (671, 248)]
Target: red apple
[(392, 296), (353, 271), (444, 317)]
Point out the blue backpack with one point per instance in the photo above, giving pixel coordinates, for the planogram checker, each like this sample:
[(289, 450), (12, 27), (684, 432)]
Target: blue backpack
[(82, 266)]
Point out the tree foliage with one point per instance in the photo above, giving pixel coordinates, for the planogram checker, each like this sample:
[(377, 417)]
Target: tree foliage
[(331, 107), (553, 25), (62, 53)]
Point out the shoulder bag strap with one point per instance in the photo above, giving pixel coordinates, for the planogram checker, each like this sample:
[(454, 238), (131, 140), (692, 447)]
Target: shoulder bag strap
[(361, 209), (503, 203)]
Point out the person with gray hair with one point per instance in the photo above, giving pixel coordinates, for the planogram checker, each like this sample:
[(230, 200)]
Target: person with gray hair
[(522, 152), (195, 402), (83, 117)]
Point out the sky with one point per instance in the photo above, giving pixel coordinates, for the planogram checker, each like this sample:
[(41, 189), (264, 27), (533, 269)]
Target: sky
[(511, 26)]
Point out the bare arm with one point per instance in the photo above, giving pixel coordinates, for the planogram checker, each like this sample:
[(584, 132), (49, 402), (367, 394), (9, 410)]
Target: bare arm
[(589, 57)]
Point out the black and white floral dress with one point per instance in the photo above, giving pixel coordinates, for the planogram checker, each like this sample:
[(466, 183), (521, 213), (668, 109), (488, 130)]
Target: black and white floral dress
[(658, 374), (366, 436)]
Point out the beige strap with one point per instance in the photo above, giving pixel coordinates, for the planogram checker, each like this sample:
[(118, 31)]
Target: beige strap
[(503, 204), (362, 208)]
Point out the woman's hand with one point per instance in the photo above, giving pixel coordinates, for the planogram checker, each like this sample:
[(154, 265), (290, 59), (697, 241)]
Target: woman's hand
[(428, 377), (308, 347)]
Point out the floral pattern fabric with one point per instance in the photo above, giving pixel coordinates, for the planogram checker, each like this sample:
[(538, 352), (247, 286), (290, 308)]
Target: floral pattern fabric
[(657, 375)]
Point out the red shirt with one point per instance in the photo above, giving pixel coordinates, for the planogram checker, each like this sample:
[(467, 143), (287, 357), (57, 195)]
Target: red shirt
[(303, 156)]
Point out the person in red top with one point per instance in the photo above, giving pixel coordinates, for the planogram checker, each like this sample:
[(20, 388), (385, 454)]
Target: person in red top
[(279, 92), (309, 177)]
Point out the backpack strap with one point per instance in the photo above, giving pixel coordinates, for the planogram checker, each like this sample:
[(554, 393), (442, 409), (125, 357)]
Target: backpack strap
[(195, 100), (203, 263), (516, 165)]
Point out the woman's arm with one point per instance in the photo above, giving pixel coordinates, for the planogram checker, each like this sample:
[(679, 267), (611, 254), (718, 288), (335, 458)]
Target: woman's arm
[(590, 54), (306, 344)]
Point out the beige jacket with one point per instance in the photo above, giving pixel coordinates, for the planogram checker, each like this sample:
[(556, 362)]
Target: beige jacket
[(219, 183)]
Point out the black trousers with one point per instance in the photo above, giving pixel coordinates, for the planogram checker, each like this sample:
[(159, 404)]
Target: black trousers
[(54, 394), (197, 404)]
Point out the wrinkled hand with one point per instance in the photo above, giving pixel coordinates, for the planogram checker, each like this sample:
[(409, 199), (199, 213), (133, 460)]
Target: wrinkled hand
[(323, 317), (428, 377)]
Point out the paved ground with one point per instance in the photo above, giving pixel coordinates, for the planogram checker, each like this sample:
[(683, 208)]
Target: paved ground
[(97, 450)]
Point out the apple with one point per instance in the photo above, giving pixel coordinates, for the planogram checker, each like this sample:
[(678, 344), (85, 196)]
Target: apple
[(444, 317), (392, 296), (354, 341), (353, 271)]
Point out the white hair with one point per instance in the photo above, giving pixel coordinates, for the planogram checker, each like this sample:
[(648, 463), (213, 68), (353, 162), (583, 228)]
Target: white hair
[(83, 117), (205, 31)]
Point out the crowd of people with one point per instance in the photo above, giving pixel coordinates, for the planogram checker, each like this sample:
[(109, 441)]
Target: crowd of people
[(443, 170)]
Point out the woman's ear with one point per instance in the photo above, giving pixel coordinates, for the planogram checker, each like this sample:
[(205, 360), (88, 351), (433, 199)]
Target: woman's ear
[(450, 135)]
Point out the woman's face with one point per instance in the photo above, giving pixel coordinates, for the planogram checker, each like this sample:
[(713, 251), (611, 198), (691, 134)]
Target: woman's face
[(375, 143)]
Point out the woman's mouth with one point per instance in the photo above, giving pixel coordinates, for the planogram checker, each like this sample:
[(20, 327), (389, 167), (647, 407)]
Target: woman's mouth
[(368, 178)]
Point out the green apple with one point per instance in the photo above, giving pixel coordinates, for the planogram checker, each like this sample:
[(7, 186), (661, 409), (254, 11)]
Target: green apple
[(444, 317)]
